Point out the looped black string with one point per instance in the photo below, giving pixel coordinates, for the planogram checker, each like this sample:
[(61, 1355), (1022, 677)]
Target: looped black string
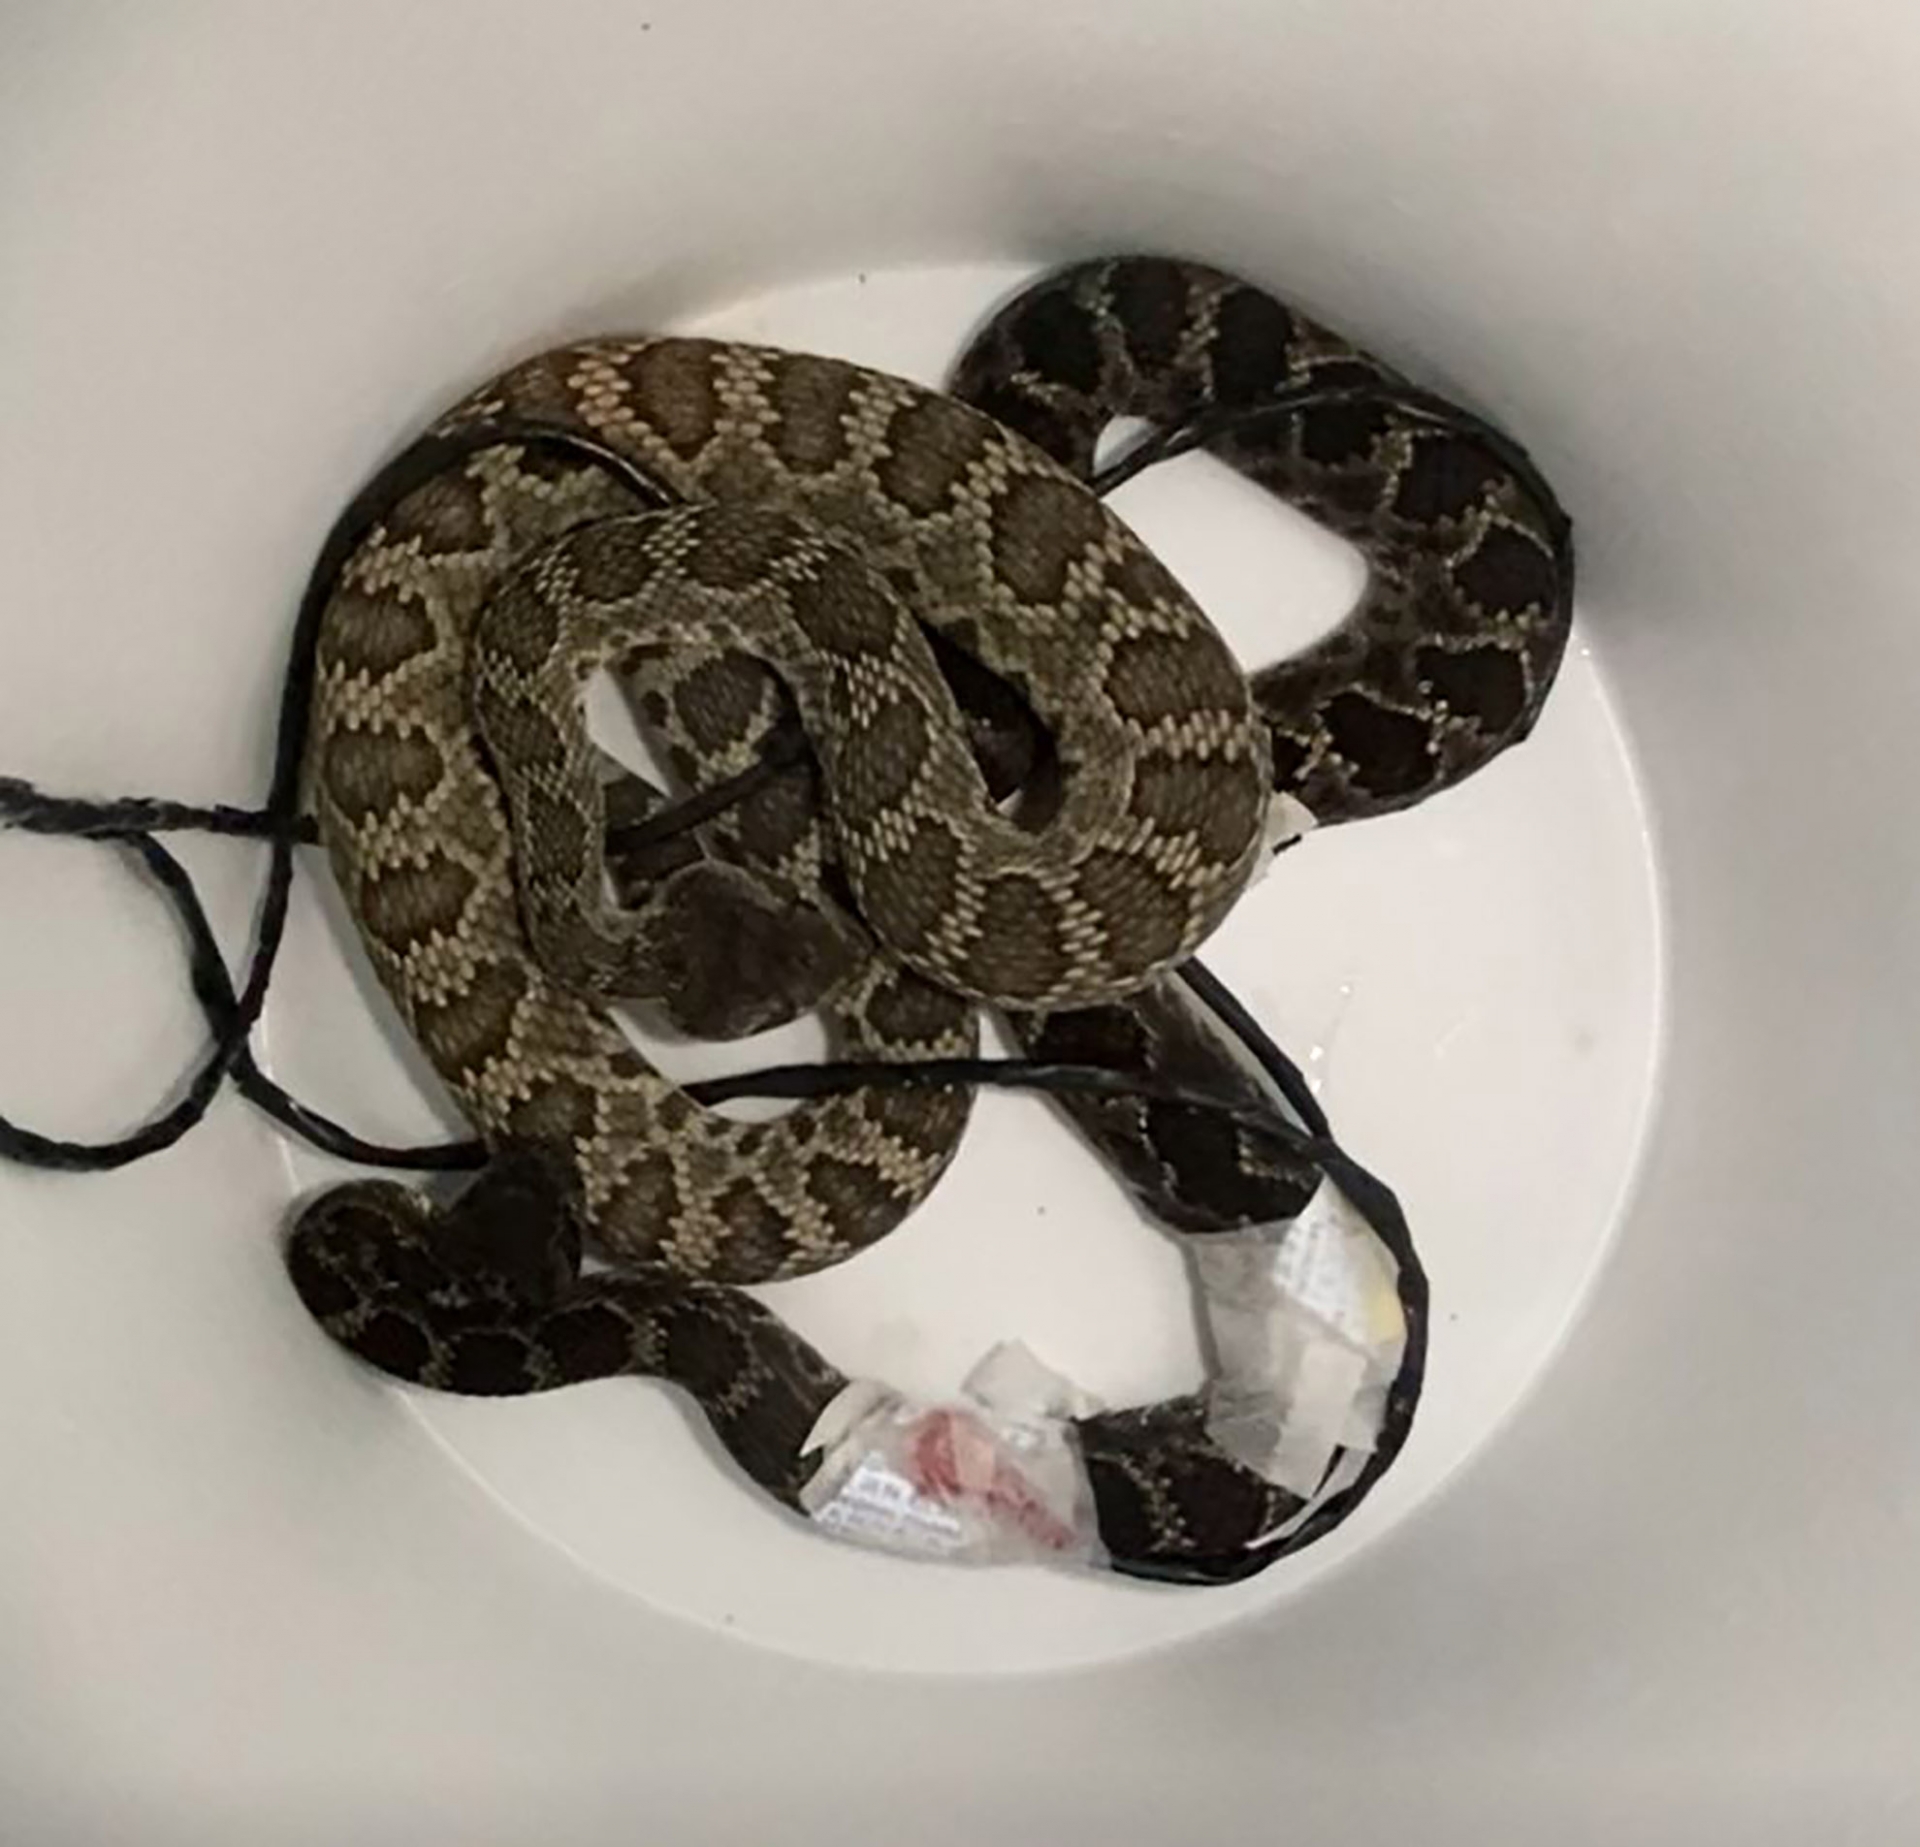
[(133, 823)]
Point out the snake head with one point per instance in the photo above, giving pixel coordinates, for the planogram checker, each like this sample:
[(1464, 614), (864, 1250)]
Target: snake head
[(520, 1222), (741, 956)]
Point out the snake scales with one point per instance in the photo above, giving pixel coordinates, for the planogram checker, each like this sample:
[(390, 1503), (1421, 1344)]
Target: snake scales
[(917, 574)]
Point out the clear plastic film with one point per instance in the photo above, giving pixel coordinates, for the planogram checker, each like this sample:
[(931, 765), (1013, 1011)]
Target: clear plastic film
[(993, 1479), (1307, 1334)]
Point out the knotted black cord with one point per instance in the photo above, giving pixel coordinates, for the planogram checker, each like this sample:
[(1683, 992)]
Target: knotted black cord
[(24, 809), (134, 822)]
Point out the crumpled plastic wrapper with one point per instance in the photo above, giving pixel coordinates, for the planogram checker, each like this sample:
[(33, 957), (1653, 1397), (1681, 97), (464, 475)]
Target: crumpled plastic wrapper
[(994, 1479), (1307, 1334)]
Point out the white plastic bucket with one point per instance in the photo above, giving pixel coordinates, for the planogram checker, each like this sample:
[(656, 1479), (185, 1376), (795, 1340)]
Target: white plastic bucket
[(1642, 993)]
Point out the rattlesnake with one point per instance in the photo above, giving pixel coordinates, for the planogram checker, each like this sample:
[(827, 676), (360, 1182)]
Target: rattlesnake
[(824, 505)]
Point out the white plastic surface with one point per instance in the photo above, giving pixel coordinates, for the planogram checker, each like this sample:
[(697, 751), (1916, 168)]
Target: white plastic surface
[(248, 1594), (1534, 971)]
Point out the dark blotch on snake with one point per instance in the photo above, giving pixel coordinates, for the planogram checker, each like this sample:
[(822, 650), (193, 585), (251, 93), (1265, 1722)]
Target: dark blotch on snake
[(1140, 578), (559, 1110), (772, 820), (1445, 476), (1251, 348), (491, 1364), (591, 1341), (1213, 799), (1205, 1150), (537, 391), (373, 637), (673, 391), (932, 443), (756, 1231), (1348, 502), (463, 1033), (1489, 684), (406, 906), (701, 1352), (521, 624), (906, 1008), (739, 547), (1342, 436), (842, 607), (1057, 339), (851, 1194), (560, 836), (1508, 573), (1018, 949), (1391, 747), (876, 765), (1111, 1037), (1145, 921), (1070, 443), (912, 887), (1156, 677), (328, 1294), (368, 772), (611, 559), (927, 1121), (812, 396), (647, 1197), (515, 729), (391, 1341), (1150, 300), (1041, 529), (625, 1064), (446, 516), (720, 699)]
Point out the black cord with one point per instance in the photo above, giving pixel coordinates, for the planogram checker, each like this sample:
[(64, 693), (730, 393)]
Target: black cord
[(134, 822), (786, 745), (1287, 1077), (25, 809), (1378, 1204)]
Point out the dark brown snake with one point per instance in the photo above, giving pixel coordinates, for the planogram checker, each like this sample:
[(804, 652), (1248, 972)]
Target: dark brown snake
[(827, 506)]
